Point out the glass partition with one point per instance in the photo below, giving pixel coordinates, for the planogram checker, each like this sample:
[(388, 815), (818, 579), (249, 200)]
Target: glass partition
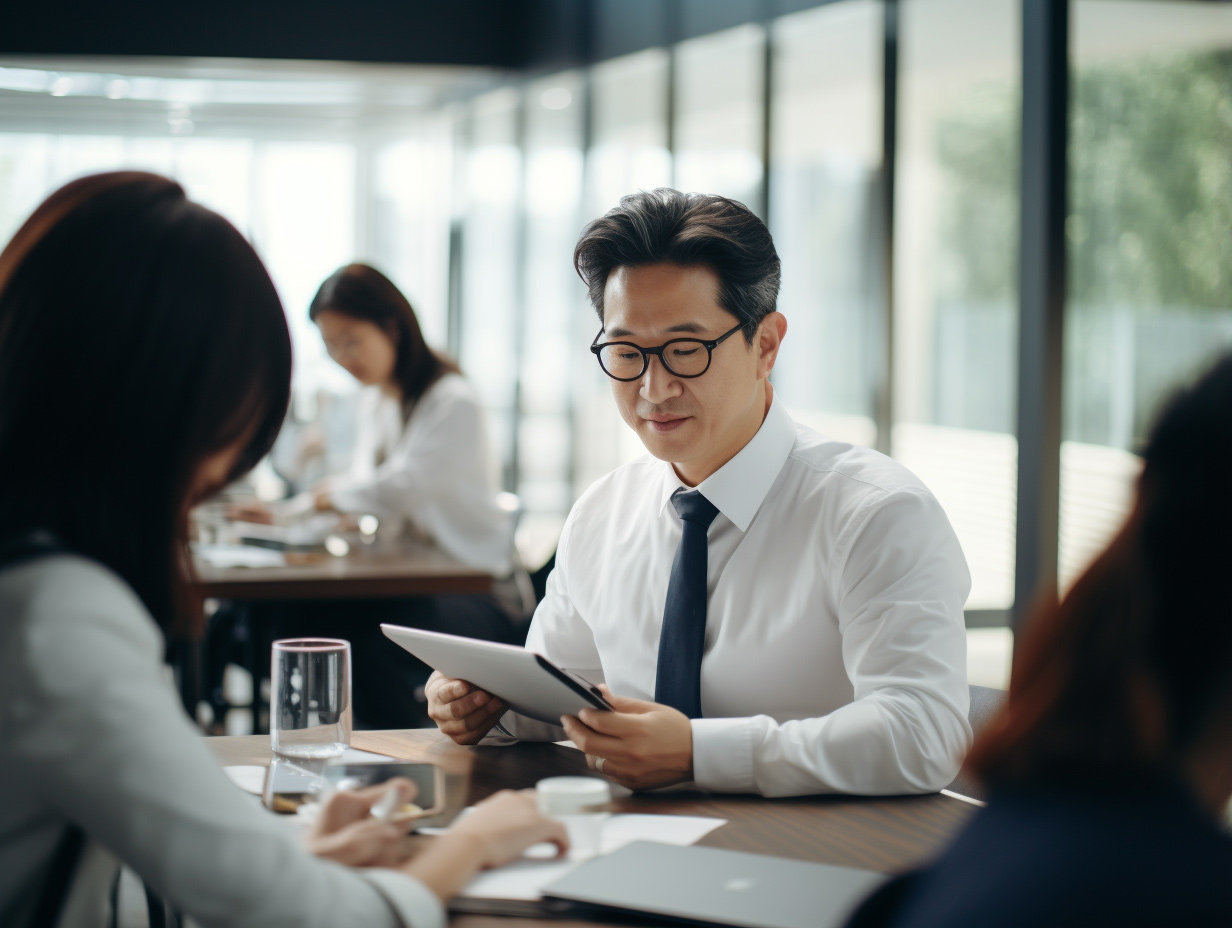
[(557, 321), (719, 113), (955, 343), (826, 152), (628, 153), (490, 272), (1150, 257)]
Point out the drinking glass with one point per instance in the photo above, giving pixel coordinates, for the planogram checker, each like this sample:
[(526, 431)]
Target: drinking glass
[(310, 706)]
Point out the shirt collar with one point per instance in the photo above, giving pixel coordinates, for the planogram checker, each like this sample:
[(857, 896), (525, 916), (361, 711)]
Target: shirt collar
[(739, 486)]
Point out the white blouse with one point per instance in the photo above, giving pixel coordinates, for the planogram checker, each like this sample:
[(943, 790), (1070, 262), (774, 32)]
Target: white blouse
[(433, 473), (92, 734)]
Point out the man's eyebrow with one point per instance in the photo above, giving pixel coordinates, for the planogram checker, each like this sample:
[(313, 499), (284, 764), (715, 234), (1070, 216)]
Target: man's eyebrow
[(691, 327)]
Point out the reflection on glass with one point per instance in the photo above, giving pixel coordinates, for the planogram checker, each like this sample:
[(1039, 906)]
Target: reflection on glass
[(304, 228), (719, 115), (826, 148), (1150, 258), (628, 153), (408, 221), (555, 309), (489, 255), (629, 144), (956, 287)]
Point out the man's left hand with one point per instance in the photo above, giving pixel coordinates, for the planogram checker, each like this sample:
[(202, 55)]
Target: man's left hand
[(643, 745)]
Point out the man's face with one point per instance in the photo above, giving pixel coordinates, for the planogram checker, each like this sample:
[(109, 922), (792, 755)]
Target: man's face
[(696, 423)]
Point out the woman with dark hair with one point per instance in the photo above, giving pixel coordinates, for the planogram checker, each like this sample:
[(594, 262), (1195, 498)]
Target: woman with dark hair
[(422, 465), (1110, 766), (144, 363), (422, 462)]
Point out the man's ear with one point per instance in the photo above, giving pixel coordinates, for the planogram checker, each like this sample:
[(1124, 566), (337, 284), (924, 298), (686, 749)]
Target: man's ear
[(770, 333)]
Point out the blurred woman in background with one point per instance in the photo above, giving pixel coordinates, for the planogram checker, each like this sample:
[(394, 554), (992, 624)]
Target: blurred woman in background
[(144, 363), (1110, 768), (422, 465), (422, 459)]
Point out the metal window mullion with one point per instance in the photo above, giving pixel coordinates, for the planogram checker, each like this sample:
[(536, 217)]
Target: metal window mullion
[(1042, 260), (883, 394)]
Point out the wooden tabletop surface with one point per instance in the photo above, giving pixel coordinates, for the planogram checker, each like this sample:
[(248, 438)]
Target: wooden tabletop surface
[(884, 834), (419, 571)]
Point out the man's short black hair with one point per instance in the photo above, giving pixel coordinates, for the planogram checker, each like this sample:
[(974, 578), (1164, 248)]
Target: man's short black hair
[(690, 229)]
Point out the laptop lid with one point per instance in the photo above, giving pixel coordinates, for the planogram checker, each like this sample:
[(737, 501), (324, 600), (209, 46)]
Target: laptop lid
[(702, 884)]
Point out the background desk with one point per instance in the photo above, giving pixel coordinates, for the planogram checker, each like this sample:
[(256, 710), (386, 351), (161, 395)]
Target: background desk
[(418, 571), (880, 834)]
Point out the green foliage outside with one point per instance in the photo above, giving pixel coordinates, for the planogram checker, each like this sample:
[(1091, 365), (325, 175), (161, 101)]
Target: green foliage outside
[(1149, 238), (1150, 222)]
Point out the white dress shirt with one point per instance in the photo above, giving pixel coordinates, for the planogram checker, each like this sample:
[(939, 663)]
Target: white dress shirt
[(432, 474), (835, 654), (92, 733)]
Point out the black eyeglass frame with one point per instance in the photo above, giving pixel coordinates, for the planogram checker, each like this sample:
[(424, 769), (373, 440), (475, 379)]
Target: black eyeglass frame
[(709, 345)]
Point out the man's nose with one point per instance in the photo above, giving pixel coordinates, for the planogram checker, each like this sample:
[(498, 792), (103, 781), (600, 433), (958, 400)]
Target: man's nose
[(658, 383)]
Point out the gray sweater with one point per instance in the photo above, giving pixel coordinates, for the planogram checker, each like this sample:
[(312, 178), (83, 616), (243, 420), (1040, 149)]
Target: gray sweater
[(91, 733)]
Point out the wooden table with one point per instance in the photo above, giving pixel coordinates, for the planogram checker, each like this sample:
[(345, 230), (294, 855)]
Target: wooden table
[(884, 834), (417, 571)]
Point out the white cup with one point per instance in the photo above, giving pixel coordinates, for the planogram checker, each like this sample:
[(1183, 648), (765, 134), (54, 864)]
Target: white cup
[(582, 805)]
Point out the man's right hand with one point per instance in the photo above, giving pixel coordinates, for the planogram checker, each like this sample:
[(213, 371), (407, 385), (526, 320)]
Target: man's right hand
[(462, 711)]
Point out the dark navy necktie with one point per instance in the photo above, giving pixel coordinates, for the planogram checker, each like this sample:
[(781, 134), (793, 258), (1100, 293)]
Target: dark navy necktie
[(678, 682)]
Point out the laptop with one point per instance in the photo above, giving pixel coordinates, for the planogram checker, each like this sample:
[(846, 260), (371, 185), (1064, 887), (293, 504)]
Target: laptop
[(712, 886)]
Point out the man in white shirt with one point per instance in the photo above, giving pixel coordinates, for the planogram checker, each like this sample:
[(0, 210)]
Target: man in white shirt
[(795, 625)]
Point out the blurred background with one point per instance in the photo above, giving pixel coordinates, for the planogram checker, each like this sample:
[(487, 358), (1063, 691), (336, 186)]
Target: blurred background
[(460, 147)]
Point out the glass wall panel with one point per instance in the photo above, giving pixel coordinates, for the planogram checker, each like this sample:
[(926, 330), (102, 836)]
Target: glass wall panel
[(826, 151), (557, 319), (409, 211), (1150, 258), (490, 281), (304, 229), (312, 190), (955, 342), (718, 132), (628, 153)]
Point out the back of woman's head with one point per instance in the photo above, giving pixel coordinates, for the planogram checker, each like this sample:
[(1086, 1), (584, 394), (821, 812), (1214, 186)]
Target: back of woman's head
[(139, 334), (1120, 681), (363, 292)]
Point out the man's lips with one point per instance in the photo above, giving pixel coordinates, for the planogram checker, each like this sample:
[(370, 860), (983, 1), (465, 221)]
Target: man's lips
[(665, 422)]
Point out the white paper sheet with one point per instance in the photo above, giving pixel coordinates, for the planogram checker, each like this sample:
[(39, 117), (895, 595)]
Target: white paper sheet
[(525, 878), (249, 779), (238, 556)]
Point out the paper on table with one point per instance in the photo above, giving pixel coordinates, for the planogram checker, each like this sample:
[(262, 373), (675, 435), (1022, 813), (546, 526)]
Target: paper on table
[(525, 878), (250, 779), (238, 556)]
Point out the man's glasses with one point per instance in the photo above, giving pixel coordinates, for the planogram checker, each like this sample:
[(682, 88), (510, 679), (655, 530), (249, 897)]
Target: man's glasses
[(684, 357)]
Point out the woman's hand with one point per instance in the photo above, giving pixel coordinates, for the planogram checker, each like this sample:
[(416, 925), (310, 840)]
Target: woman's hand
[(506, 824), (498, 830), (346, 832), (321, 500)]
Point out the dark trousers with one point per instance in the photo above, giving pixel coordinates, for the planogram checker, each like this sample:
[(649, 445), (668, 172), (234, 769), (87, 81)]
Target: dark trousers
[(387, 682)]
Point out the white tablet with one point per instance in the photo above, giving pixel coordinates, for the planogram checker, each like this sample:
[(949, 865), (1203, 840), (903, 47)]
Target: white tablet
[(530, 683)]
